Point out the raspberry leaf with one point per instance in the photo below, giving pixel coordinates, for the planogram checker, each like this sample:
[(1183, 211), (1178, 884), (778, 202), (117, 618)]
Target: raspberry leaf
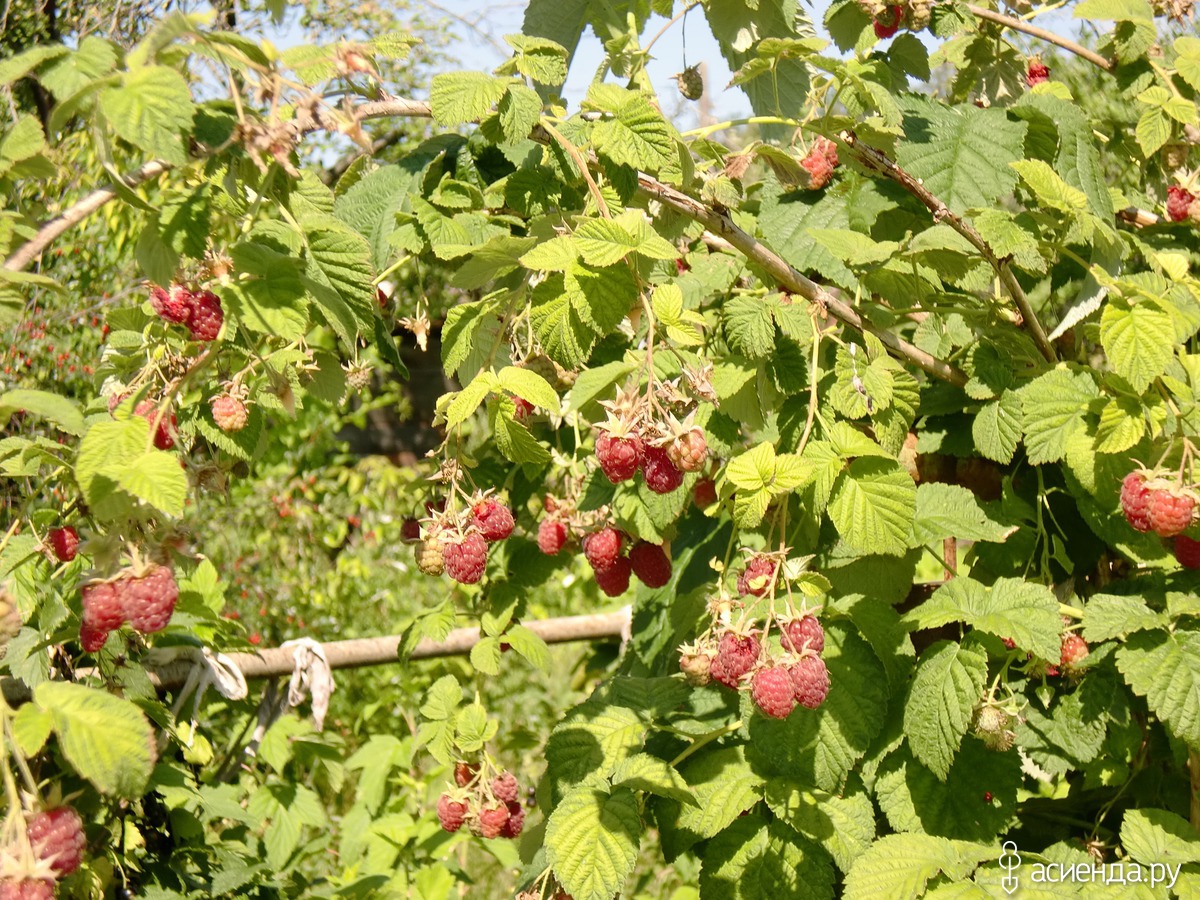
[(872, 506), (844, 825), (724, 785), (592, 840), (901, 865), (1157, 836), (947, 684), (591, 742), (754, 858), (643, 772), (950, 510), (1107, 616), (1165, 669)]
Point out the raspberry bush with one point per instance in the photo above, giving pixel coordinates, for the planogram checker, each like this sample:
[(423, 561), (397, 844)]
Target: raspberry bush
[(877, 408)]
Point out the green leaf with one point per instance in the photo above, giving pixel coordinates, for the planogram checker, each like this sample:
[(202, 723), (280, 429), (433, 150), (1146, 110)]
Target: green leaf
[(519, 111), (31, 727), (288, 808), (899, 866), (754, 469), (643, 772), (529, 385), (105, 738), (564, 333), (460, 97), (962, 155), (637, 135), (997, 427), (20, 65), (61, 412), (1108, 616), (152, 109), (724, 786), (752, 859), (1049, 187), (156, 478), (749, 326), (1139, 340), (603, 242), (1024, 612), (949, 510), (591, 741), (873, 504), (543, 60), (1165, 669), (555, 255), (1153, 129), (517, 443), (945, 687), (340, 259), (470, 398), (1153, 836), (844, 825), (1054, 406), (592, 840), (271, 300)]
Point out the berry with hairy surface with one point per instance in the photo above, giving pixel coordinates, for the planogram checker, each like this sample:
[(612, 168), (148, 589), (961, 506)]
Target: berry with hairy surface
[(1135, 501), (614, 581), (91, 639), (492, 820), (493, 519), (430, 554), (1036, 72), (660, 473), (887, 23), (690, 83), (173, 305), (1187, 552), (810, 680), (602, 548), (26, 889), (229, 412), (1179, 201), (465, 772), (650, 564), (64, 543), (103, 606), (207, 316), (619, 455), (552, 536), (802, 634), (772, 691), (164, 436), (992, 726), (1170, 512), (757, 577), (466, 559), (516, 820), (696, 668), (1073, 652), (505, 787), (688, 451), (149, 601), (451, 813), (704, 494), (736, 655), (57, 838)]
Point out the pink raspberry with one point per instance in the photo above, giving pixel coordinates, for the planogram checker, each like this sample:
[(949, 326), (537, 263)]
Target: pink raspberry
[(149, 601), (603, 547), (57, 837), (1170, 512), (516, 820), (552, 536), (619, 456), (810, 680), (1179, 200), (173, 305), (650, 564), (466, 559), (207, 316), (736, 655), (1135, 501), (103, 607), (802, 634), (688, 451), (451, 813), (64, 543), (164, 436), (704, 494), (229, 412), (465, 772), (523, 410), (888, 22), (30, 888), (1036, 73), (614, 580), (660, 473), (757, 577), (493, 519), (92, 640), (492, 820), (505, 787), (1187, 552), (772, 691), (1074, 651)]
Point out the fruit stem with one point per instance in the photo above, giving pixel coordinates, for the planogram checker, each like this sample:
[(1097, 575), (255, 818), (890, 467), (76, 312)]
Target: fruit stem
[(706, 739), (19, 757)]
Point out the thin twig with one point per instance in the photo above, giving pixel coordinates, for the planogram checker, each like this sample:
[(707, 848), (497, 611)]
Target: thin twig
[(879, 162), (1042, 34)]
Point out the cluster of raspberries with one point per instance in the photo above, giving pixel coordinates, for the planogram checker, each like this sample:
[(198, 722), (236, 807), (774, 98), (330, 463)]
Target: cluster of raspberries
[(491, 808), (145, 599), (456, 543), (913, 15), (1182, 204), (1073, 650), (1158, 503), (622, 451), (819, 163), (57, 840), (200, 311)]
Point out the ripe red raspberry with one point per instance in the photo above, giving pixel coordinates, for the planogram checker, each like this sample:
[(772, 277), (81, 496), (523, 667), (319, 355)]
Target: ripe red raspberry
[(464, 773), (660, 473), (91, 639), (410, 530), (1135, 501), (149, 601), (103, 606), (1187, 552), (505, 787), (619, 456), (772, 691), (736, 655), (173, 305), (57, 838), (26, 889), (804, 633), (602, 548), (451, 813), (1074, 651), (492, 821), (1036, 72), (229, 412), (614, 580), (207, 316), (493, 519), (688, 451), (704, 494), (516, 820), (552, 536), (523, 411), (64, 542), (466, 559), (650, 564), (1170, 512), (164, 437), (888, 22), (757, 577), (430, 554), (819, 163), (1178, 201), (810, 679)]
